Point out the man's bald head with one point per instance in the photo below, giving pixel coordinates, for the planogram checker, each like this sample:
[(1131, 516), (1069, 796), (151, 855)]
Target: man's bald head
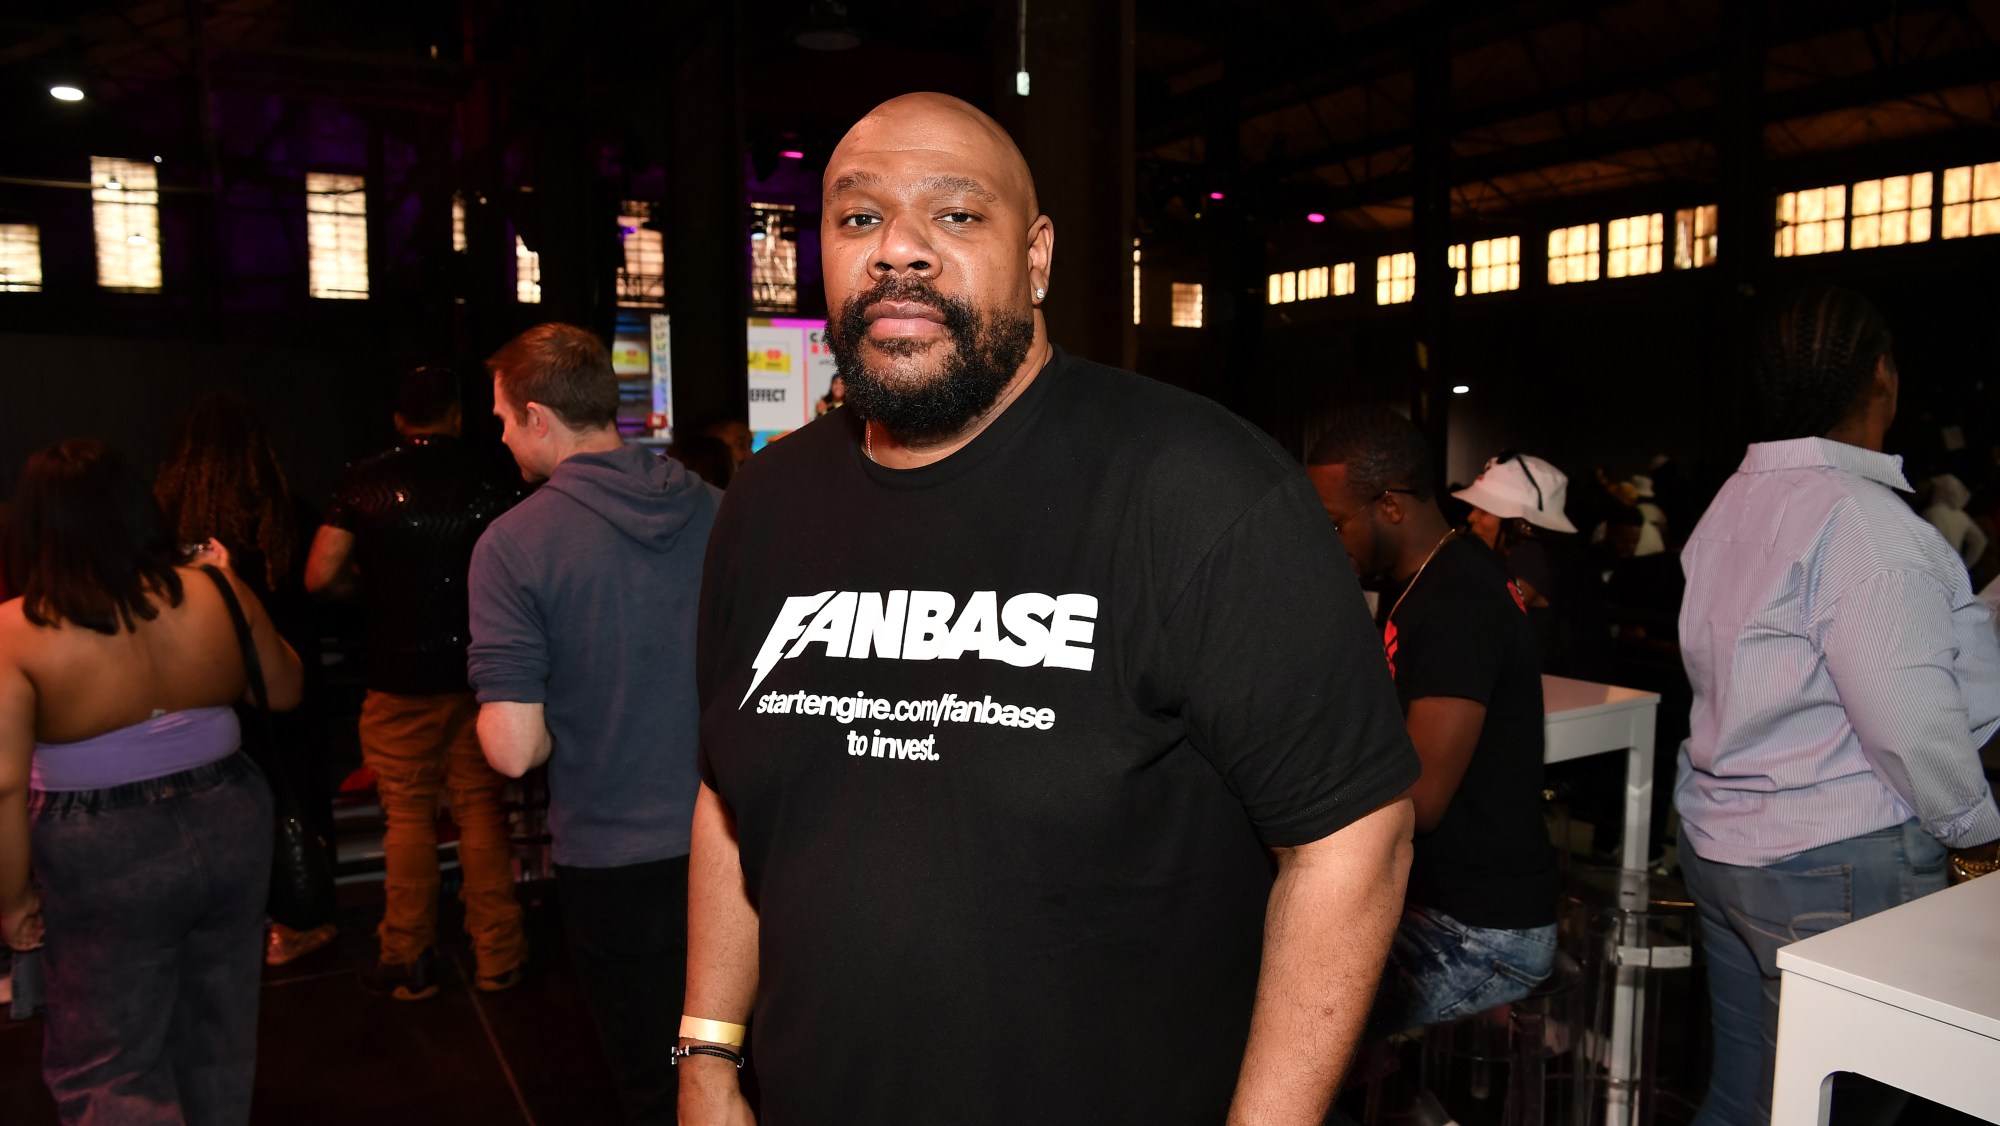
[(944, 124), (936, 259)]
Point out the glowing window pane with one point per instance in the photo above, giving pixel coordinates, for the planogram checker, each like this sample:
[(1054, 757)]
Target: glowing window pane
[(1343, 279), (642, 274), (1496, 266), (1813, 221), (1288, 287), (1135, 281), (1573, 254), (527, 274), (336, 236), (1891, 211), (1971, 201), (1395, 278), (774, 257), (20, 258), (458, 243), (125, 212), (1694, 237), (1454, 256), (1276, 289), (1634, 246), (1187, 305)]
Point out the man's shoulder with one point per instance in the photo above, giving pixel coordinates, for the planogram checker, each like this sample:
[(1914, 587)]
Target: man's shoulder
[(1183, 441), (1469, 586)]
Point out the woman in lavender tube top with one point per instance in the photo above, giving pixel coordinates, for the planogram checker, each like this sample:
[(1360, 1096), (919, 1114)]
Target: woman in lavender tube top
[(121, 775)]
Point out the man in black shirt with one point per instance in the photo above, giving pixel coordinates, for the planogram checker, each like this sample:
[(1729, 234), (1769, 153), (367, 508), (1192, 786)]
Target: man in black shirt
[(1017, 675), (1479, 928), (401, 528)]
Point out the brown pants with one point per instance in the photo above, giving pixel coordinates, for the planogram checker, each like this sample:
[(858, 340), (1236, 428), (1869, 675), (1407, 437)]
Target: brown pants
[(417, 746)]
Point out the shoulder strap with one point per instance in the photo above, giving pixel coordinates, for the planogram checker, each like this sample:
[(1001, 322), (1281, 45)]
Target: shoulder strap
[(253, 668)]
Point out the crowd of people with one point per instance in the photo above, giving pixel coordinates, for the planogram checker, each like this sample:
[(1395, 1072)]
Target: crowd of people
[(1016, 745)]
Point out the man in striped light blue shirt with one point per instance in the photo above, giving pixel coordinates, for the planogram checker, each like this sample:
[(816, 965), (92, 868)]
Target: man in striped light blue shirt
[(1844, 678)]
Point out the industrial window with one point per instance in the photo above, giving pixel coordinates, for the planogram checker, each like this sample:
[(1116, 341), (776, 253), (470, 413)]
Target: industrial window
[(20, 258), (774, 257), (1301, 285), (125, 210), (1395, 278), (1635, 246), (1573, 254), (1813, 221), (458, 243), (336, 236), (1343, 279), (1972, 200), (1891, 211), (527, 274), (642, 275), (1694, 237), (1135, 281), (1187, 305), (1495, 266)]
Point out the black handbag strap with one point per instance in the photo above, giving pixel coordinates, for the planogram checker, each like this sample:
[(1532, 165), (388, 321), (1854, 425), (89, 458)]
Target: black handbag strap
[(252, 667)]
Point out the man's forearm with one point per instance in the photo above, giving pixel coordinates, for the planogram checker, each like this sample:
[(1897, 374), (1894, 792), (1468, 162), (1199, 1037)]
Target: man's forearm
[(722, 956), (1326, 935), (514, 736)]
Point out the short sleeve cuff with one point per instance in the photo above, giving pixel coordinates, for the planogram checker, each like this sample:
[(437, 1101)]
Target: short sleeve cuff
[(1379, 780)]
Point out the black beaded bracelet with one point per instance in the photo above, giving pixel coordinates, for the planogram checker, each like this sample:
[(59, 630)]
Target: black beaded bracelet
[(679, 1054)]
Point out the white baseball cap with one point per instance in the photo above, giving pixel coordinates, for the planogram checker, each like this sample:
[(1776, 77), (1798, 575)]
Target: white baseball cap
[(1521, 486)]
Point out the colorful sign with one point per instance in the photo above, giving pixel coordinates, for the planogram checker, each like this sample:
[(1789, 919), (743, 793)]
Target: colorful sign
[(789, 367)]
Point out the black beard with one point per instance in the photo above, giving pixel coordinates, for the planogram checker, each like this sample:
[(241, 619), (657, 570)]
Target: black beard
[(986, 351)]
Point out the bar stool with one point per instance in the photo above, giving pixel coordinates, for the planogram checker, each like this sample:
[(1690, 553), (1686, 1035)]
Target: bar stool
[(1525, 1036), (1631, 929)]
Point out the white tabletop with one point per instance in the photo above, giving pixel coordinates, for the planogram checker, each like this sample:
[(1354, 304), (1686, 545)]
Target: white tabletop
[(1938, 956), (1563, 698)]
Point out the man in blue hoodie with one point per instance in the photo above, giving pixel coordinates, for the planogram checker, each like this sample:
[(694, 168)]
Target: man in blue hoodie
[(582, 657)]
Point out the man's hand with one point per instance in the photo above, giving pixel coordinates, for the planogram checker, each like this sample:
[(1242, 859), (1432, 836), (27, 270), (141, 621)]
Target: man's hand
[(710, 1094), (21, 926)]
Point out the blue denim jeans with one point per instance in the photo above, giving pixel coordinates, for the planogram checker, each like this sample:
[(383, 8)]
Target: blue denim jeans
[(1747, 913), (1441, 969), (153, 901)]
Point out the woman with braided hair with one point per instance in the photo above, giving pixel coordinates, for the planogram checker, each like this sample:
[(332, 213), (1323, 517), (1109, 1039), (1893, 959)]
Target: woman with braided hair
[(222, 479), (1844, 680)]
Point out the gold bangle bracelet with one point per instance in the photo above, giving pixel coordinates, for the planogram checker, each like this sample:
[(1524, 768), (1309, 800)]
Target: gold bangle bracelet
[(713, 1031)]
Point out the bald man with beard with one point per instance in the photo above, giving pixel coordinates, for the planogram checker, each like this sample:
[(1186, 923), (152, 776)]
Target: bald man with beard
[(1051, 771)]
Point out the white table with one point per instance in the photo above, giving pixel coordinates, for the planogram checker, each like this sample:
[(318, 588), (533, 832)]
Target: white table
[(1582, 718), (1909, 997)]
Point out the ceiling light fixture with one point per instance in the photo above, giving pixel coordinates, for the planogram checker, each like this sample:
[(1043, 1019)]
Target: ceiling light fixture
[(1315, 217), (66, 93), (1460, 389), (1215, 195)]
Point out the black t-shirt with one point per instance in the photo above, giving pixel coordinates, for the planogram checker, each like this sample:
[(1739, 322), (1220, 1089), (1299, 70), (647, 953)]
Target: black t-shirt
[(416, 511), (1006, 737), (1462, 631)]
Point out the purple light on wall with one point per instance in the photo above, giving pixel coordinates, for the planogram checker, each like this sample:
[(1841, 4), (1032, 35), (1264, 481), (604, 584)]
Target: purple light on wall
[(1215, 195), (792, 154), (1315, 217)]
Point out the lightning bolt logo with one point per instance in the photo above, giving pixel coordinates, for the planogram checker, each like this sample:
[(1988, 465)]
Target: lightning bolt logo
[(791, 622)]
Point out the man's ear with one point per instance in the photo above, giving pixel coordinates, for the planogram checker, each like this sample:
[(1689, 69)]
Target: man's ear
[(1041, 253), (1391, 508)]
